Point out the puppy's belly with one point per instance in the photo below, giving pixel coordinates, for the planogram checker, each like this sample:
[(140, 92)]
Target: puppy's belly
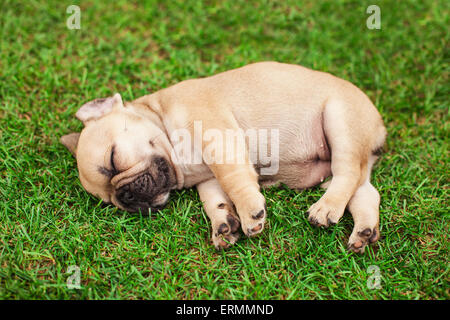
[(299, 175), (304, 157)]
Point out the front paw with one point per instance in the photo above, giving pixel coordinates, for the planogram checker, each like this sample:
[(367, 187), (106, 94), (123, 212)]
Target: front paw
[(251, 209), (254, 224), (226, 232)]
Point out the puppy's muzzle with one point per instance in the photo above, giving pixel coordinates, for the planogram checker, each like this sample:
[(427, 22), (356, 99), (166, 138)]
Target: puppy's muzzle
[(140, 193), (137, 194)]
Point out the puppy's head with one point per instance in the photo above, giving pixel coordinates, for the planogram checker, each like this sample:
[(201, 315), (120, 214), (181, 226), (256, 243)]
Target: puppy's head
[(123, 156)]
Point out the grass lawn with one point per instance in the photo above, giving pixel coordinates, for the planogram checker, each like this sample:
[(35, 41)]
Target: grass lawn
[(48, 222)]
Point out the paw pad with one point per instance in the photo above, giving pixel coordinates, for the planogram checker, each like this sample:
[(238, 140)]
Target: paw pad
[(233, 222), (365, 233), (223, 229), (259, 215)]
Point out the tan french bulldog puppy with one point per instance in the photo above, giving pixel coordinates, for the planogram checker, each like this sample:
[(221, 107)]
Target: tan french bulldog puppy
[(297, 126)]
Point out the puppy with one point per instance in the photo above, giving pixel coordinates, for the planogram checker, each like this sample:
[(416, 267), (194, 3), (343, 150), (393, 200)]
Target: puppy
[(309, 125)]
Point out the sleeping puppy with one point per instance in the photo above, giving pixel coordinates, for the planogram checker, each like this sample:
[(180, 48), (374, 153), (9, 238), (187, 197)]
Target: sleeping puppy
[(259, 125)]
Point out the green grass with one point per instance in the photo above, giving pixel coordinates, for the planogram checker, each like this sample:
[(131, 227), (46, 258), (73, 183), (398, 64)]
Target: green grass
[(48, 222)]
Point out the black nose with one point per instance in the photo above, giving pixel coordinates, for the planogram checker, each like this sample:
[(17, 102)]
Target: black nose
[(136, 194), (126, 197)]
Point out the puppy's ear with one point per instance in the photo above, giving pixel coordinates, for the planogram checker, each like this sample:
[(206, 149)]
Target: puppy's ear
[(70, 141), (98, 108)]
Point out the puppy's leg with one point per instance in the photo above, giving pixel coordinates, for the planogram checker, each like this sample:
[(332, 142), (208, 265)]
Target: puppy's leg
[(218, 207), (240, 183), (330, 208), (239, 180), (349, 151), (364, 207)]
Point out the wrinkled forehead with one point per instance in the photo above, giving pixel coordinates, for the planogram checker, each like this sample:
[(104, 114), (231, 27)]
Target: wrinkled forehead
[(101, 133), (95, 140), (129, 137), (106, 127), (94, 147)]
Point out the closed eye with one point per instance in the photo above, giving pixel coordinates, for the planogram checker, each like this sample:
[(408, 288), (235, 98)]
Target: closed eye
[(109, 173), (113, 166)]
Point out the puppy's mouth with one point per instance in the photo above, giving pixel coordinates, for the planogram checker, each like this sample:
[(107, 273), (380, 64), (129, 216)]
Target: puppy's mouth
[(149, 189)]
